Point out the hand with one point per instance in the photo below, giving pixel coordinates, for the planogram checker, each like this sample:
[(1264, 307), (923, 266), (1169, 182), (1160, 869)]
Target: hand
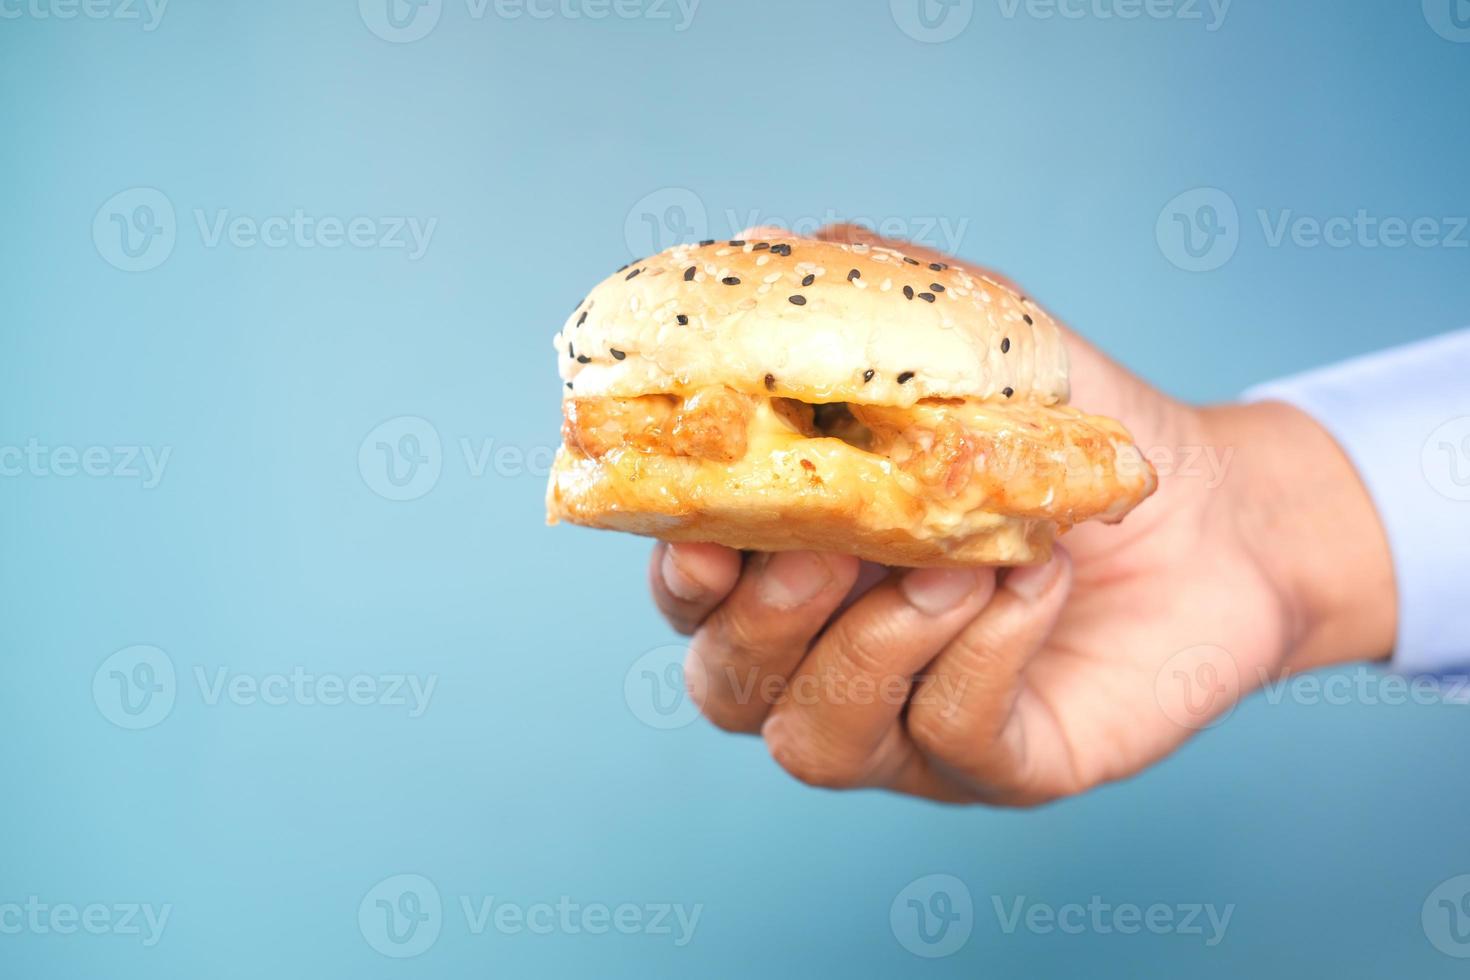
[(1259, 555)]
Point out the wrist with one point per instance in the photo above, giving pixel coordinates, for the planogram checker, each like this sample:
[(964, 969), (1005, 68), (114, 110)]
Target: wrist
[(1304, 515)]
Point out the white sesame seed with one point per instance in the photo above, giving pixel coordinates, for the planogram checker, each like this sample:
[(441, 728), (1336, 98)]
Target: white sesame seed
[(773, 277), (765, 257)]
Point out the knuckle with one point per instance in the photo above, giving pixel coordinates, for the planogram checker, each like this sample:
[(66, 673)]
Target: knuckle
[(812, 765), (943, 735), (865, 649)]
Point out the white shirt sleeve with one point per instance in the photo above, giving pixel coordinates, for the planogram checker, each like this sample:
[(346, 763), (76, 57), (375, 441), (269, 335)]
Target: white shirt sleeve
[(1403, 418)]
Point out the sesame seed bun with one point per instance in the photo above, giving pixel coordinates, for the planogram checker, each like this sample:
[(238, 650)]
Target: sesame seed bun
[(816, 321), (691, 380)]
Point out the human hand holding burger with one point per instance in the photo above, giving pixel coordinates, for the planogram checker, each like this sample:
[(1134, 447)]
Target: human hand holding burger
[(949, 678)]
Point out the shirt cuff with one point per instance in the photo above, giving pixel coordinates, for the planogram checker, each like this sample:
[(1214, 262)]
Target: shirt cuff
[(1403, 418)]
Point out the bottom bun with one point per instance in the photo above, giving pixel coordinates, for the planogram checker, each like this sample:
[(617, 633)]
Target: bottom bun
[(818, 494)]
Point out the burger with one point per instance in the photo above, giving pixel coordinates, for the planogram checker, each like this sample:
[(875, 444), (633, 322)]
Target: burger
[(786, 393)]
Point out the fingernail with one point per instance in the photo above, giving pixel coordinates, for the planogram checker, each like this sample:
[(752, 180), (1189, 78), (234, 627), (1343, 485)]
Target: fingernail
[(677, 579), (791, 578), (938, 590), (1030, 581)]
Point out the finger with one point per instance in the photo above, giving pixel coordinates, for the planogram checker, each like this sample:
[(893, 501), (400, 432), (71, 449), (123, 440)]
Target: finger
[(689, 580), (965, 714), (756, 232), (742, 655), (837, 725)]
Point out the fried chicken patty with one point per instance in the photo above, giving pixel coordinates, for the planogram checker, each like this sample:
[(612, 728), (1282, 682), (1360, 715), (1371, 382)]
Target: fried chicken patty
[(1021, 460)]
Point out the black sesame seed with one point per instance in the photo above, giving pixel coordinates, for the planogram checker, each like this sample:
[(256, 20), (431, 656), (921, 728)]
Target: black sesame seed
[(1027, 318), (798, 300), (1008, 391), (730, 281), (707, 242), (736, 242), (571, 353), (854, 274), (906, 377), (936, 287), (782, 249), (908, 292), (761, 245), (770, 382), (927, 297), (581, 319), (632, 274), (910, 261), (868, 375), (617, 354), (683, 320), (583, 359), (689, 273), (569, 385), (938, 266), (1005, 345), (622, 267), (809, 280)]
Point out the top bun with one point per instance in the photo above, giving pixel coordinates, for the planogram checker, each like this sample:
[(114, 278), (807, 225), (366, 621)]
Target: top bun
[(816, 321)]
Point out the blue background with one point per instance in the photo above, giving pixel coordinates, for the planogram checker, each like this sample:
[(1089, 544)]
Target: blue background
[(538, 145)]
